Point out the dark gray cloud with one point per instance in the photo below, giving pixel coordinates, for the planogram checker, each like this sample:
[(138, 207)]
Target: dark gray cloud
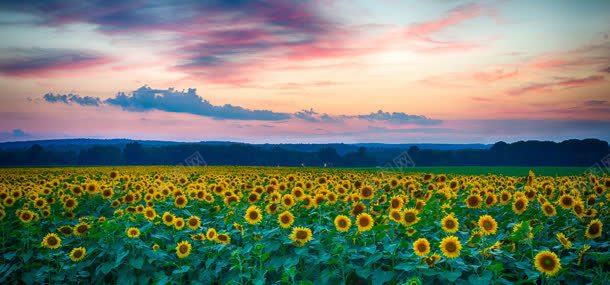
[(33, 62), (72, 98), (170, 100), (313, 116), (399, 118)]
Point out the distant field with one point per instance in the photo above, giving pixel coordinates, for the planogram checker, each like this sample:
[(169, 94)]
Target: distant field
[(501, 170), (459, 170)]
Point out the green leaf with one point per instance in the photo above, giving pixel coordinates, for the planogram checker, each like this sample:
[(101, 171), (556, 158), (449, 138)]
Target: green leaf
[(137, 262), (380, 276), (451, 276), (26, 256), (406, 266), (106, 267), (484, 279), (120, 257), (181, 269)]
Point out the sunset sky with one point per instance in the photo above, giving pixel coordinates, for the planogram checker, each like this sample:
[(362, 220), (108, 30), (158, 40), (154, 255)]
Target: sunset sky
[(305, 71)]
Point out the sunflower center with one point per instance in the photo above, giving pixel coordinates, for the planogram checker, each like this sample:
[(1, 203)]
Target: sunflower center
[(422, 247), (449, 224), (450, 247), (183, 248), (409, 217), (301, 234), (285, 219), (78, 254), (548, 263), (342, 223), (593, 229), (366, 192), (487, 225), (519, 205), (364, 222), (253, 215), (52, 241)]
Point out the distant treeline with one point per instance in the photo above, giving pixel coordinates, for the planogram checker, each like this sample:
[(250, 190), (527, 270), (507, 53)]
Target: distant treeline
[(524, 153)]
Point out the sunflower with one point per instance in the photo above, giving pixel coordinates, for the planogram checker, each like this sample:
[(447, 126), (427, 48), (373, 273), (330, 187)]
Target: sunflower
[(318, 199), (488, 225), (432, 259), (564, 240), (421, 247), (51, 241), (288, 201), (70, 203), (150, 213), (450, 224), (253, 197), (594, 229), (66, 230), (395, 215), (81, 229), (285, 219), (451, 246), (409, 217), (548, 209), (107, 193), (253, 215), (343, 223), (183, 249), (413, 281), (168, 219), (223, 239), (579, 209), (566, 201), (180, 201), (364, 222), (239, 227), (297, 192), (193, 222), (505, 196), (155, 247), (520, 205), (133, 232), (77, 254), (179, 223), (300, 236), (26, 216), (114, 174), (396, 203), (547, 262), (473, 201), (211, 233), (358, 209), (198, 237), (490, 200), (40, 203), (366, 192)]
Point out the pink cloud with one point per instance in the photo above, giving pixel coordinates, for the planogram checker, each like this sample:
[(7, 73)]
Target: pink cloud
[(562, 83), (423, 33)]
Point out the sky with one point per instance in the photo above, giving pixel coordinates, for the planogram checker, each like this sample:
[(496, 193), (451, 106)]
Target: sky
[(282, 71)]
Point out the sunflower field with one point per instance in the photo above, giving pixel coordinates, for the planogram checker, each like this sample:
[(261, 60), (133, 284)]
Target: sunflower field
[(234, 225)]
